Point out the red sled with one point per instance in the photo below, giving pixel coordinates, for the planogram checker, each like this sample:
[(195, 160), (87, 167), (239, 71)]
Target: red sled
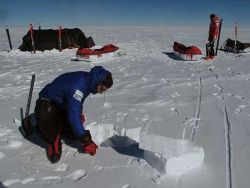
[(187, 53), (97, 53)]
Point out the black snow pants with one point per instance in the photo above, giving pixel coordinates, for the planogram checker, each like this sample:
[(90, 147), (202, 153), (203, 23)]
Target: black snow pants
[(210, 48), (51, 120)]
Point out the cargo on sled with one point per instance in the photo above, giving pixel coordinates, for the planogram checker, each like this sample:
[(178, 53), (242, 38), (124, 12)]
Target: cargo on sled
[(187, 53), (97, 53)]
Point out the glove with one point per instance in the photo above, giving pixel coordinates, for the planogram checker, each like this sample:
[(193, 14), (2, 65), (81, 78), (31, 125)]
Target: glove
[(87, 143), (90, 148), (211, 39)]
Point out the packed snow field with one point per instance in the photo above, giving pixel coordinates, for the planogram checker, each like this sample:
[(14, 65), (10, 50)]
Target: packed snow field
[(144, 123)]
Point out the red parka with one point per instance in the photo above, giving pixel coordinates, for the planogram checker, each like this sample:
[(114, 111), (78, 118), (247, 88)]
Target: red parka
[(214, 28)]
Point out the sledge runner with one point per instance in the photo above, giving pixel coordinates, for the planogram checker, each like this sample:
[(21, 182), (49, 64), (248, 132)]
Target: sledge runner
[(58, 109), (214, 30)]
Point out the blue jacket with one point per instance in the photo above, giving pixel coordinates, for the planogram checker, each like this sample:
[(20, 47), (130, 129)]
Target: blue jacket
[(69, 90)]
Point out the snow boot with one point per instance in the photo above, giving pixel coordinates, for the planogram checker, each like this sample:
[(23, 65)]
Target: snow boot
[(54, 149), (209, 58)]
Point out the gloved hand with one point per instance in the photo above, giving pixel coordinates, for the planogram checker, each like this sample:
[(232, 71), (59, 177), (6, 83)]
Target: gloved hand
[(90, 148), (87, 143), (211, 39)]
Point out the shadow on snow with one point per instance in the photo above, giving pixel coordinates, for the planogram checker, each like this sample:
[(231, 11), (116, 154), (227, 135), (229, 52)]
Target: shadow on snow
[(127, 146), (171, 55)]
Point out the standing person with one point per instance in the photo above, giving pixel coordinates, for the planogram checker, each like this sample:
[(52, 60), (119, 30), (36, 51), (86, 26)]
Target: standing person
[(212, 35), (58, 109)]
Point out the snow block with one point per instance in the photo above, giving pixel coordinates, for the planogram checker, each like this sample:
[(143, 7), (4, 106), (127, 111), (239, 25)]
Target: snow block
[(177, 155)]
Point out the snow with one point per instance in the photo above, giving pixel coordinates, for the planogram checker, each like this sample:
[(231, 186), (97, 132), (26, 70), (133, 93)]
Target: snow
[(177, 155), (164, 123), (77, 175)]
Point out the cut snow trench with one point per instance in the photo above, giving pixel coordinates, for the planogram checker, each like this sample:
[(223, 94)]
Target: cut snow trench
[(164, 154)]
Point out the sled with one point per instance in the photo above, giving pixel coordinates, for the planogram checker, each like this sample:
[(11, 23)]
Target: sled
[(234, 46), (97, 53), (190, 53)]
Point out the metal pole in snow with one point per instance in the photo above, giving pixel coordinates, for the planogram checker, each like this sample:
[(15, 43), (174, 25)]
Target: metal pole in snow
[(8, 35), (60, 38), (236, 35), (30, 95), (218, 40)]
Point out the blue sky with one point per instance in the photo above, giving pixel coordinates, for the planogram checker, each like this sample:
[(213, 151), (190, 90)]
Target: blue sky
[(122, 12)]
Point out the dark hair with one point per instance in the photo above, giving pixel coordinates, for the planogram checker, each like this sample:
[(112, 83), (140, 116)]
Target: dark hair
[(108, 81), (212, 16)]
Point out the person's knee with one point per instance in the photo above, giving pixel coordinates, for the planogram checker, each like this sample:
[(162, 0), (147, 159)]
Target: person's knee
[(44, 109)]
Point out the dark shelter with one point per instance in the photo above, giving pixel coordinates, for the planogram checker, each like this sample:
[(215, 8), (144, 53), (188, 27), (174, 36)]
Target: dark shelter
[(48, 39)]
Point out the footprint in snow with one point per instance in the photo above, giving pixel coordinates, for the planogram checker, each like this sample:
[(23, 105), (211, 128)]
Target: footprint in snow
[(176, 94), (121, 117), (77, 175), (61, 167), (44, 180), (242, 106), (14, 143), (165, 81), (1, 155), (7, 85), (10, 182), (4, 132), (48, 180), (7, 139), (218, 95), (239, 108), (107, 105), (28, 181), (126, 186), (173, 111)]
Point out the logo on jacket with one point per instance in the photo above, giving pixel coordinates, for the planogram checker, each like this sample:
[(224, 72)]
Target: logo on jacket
[(78, 95)]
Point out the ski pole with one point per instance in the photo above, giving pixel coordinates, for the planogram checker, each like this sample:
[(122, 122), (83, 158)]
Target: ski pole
[(8, 35), (26, 128), (217, 45), (30, 95)]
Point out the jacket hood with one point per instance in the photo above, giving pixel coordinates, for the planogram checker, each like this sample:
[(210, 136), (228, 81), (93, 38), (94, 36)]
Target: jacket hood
[(97, 75)]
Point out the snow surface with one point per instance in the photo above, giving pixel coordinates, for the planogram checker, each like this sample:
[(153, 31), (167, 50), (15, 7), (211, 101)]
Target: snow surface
[(144, 123)]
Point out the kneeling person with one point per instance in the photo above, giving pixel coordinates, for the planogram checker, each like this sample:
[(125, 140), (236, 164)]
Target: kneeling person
[(59, 108)]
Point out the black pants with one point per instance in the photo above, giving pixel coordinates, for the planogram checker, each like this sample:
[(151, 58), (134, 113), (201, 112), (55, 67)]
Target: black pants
[(51, 120), (210, 48)]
